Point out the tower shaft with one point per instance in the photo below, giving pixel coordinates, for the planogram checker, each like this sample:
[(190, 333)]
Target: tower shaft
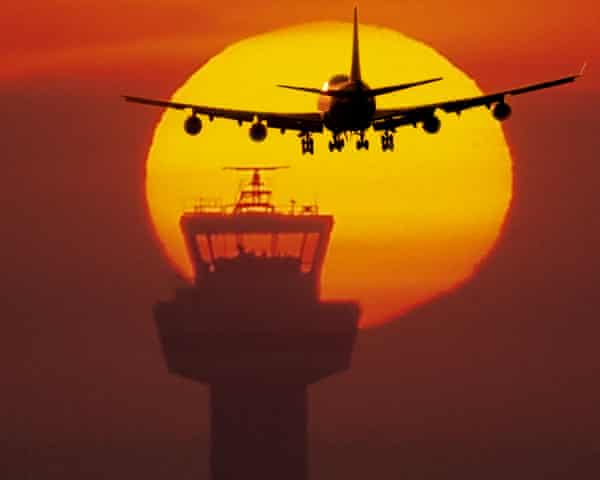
[(259, 428)]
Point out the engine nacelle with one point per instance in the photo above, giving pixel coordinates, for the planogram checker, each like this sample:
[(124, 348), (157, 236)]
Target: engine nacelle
[(192, 125), (258, 132), (501, 111), (432, 124)]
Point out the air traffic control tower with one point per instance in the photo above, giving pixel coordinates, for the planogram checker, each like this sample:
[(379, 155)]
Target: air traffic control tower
[(253, 328)]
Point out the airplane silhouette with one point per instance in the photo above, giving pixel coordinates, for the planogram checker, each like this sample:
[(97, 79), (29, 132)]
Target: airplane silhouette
[(351, 109)]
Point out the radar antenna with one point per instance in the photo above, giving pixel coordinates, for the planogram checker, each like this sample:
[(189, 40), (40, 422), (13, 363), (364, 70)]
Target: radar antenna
[(254, 196)]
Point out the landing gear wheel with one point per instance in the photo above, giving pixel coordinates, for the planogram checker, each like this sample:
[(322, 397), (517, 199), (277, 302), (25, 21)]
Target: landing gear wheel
[(360, 144), (336, 144), (387, 142), (308, 145)]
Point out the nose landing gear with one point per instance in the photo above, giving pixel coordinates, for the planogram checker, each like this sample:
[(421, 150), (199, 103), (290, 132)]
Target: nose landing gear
[(387, 141), (362, 142), (336, 143)]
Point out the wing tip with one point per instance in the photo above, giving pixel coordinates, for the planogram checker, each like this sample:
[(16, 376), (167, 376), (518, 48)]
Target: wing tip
[(132, 99)]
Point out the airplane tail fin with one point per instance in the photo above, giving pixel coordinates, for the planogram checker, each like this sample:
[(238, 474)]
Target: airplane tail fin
[(355, 69)]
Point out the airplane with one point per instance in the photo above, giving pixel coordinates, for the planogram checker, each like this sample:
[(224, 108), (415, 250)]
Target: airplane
[(349, 108)]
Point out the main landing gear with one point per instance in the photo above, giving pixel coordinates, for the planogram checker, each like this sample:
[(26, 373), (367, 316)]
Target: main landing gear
[(308, 144), (387, 141), (336, 143)]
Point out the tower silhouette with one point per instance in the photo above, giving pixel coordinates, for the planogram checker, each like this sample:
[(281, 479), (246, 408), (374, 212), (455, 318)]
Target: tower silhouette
[(254, 329)]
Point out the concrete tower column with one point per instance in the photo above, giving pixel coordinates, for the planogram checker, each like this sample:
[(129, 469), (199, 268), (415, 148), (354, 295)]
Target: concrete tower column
[(259, 428), (259, 362)]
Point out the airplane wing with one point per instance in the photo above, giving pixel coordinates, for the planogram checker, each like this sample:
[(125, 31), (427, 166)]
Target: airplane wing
[(395, 117), (304, 122)]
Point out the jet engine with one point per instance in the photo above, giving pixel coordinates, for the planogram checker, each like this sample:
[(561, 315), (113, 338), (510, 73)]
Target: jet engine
[(432, 124), (501, 111), (193, 125), (258, 132)]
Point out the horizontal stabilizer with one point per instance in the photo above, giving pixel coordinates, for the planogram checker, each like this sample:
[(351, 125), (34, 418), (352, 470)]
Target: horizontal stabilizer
[(329, 93), (394, 88)]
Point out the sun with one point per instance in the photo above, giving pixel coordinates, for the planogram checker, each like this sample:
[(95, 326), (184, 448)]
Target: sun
[(409, 224)]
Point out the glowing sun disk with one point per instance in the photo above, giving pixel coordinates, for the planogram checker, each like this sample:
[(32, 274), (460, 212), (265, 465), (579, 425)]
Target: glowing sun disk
[(409, 224)]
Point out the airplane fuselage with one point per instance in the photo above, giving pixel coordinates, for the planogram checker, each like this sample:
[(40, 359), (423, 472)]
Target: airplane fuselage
[(352, 112)]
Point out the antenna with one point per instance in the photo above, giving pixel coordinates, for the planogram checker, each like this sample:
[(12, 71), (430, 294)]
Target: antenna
[(257, 169), (256, 182), (255, 196)]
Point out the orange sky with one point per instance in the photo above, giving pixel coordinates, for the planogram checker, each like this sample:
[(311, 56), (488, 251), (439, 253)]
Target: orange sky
[(39, 37)]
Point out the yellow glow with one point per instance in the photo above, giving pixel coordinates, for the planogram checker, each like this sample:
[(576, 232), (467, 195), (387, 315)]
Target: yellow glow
[(410, 224)]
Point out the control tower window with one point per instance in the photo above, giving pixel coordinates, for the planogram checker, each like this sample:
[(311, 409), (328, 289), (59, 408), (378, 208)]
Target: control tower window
[(300, 247), (204, 248)]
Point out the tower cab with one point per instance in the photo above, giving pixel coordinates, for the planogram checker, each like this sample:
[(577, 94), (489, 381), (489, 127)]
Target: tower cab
[(253, 250)]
